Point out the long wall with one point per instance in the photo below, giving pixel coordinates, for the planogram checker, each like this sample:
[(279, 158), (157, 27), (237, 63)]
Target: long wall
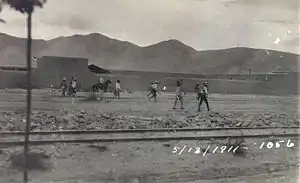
[(12, 79), (52, 74), (276, 84), (50, 71), (248, 77)]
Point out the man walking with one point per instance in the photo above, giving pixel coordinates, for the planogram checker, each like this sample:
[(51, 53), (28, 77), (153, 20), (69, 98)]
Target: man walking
[(64, 86), (118, 89), (154, 89), (203, 95), (70, 87), (73, 86), (179, 94)]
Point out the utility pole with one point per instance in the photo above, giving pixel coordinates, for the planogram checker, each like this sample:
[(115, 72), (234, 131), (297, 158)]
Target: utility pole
[(28, 118)]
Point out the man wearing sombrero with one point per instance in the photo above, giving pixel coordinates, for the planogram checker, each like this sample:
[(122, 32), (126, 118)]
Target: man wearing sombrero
[(179, 94)]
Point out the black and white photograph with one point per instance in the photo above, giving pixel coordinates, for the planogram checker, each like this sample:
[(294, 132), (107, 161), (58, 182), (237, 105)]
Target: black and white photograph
[(149, 91)]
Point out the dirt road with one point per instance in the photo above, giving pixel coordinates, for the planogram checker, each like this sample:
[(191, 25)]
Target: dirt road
[(152, 162)]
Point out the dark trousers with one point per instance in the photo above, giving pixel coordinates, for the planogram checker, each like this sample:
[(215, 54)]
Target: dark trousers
[(72, 91), (69, 91), (154, 95), (203, 97), (63, 92)]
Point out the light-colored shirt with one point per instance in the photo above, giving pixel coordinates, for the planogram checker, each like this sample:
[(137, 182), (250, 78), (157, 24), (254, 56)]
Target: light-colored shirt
[(154, 86), (118, 86), (204, 90), (101, 80), (73, 84)]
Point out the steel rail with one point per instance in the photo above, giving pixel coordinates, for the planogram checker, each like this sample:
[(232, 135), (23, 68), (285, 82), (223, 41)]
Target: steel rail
[(70, 132), (151, 134), (120, 140)]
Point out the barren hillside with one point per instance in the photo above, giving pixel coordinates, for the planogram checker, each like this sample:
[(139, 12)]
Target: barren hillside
[(166, 56)]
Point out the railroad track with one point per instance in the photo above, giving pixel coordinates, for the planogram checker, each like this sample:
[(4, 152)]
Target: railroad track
[(135, 135)]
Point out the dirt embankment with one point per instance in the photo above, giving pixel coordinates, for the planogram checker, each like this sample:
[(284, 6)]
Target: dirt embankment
[(80, 119)]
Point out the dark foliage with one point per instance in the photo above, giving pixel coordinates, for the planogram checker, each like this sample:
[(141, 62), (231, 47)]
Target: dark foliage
[(24, 6)]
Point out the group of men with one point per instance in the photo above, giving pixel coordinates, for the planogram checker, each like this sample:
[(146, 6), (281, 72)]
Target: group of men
[(201, 91), (201, 94), (71, 88)]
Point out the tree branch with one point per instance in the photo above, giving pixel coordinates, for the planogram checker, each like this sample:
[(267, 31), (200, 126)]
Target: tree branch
[(23, 6)]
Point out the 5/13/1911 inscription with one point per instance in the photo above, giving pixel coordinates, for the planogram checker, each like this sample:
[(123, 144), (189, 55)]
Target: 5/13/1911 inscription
[(221, 149), (198, 151)]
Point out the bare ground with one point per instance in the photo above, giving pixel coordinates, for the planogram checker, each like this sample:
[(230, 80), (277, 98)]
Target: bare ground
[(152, 162)]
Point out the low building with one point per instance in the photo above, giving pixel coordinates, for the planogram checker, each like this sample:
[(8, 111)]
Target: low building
[(50, 70)]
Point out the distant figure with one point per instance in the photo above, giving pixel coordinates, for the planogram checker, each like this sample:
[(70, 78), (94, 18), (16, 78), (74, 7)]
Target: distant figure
[(101, 86), (179, 94), (153, 91), (203, 96), (64, 86), (118, 89), (72, 89), (52, 91)]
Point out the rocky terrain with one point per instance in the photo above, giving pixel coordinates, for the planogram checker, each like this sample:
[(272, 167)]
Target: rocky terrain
[(80, 119), (151, 161)]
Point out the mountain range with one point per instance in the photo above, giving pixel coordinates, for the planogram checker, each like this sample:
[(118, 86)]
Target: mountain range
[(166, 56)]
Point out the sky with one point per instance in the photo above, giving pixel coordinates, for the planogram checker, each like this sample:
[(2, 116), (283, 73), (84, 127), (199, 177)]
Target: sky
[(201, 24)]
